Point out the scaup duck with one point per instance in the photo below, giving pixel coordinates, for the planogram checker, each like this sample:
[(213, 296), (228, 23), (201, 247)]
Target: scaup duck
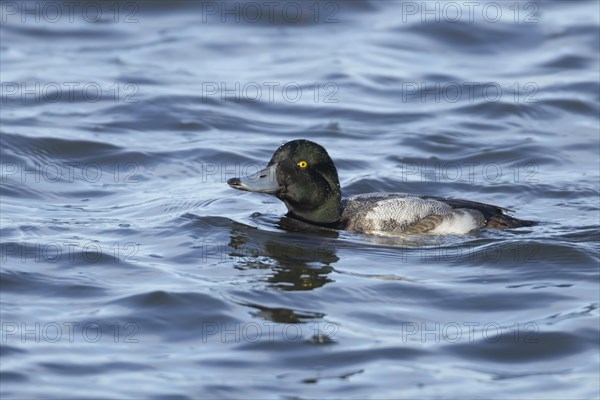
[(303, 176)]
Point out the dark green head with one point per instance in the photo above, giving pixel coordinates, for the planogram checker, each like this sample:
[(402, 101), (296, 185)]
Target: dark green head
[(302, 175)]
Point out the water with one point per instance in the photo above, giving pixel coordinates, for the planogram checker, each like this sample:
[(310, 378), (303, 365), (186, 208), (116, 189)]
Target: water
[(130, 268)]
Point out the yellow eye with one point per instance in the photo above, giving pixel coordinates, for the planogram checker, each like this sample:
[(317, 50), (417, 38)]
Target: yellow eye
[(302, 164)]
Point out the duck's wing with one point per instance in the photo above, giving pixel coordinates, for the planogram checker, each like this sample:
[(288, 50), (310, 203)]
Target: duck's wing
[(495, 216), (392, 212), (401, 212), (488, 210)]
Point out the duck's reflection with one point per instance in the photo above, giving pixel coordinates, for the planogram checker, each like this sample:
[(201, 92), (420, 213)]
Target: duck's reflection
[(298, 261), (284, 315)]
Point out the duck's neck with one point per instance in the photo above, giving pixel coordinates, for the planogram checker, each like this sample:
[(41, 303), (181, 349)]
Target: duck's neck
[(325, 211)]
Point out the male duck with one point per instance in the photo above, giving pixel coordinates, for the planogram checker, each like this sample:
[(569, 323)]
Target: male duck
[(303, 176)]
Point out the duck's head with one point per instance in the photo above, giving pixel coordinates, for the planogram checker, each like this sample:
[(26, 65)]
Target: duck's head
[(303, 176)]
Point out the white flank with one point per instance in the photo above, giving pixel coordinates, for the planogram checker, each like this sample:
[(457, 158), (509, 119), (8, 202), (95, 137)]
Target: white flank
[(459, 222)]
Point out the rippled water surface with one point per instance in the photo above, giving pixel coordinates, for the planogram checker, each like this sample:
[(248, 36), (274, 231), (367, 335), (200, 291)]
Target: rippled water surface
[(131, 270)]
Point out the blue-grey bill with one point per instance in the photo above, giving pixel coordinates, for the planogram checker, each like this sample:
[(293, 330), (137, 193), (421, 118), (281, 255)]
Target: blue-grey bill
[(264, 181)]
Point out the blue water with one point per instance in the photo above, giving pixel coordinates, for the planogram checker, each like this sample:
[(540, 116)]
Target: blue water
[(131, 270)]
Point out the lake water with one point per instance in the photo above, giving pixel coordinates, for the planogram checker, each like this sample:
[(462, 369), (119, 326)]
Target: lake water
[(131, 270)]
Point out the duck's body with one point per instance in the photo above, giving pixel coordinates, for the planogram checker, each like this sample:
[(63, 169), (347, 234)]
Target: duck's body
[(303, 176), (382, 213)]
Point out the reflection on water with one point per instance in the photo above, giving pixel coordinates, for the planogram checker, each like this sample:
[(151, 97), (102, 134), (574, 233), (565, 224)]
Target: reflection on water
[(283, 315), (295, 263)]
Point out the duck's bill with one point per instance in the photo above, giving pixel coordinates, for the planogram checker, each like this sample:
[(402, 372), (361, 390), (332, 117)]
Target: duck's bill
[(264, 181)]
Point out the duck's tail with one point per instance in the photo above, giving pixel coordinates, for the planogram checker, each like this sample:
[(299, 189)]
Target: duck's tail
[(504, 221)]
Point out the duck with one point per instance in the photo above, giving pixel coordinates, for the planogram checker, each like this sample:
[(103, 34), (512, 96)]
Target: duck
[(302, 175)]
